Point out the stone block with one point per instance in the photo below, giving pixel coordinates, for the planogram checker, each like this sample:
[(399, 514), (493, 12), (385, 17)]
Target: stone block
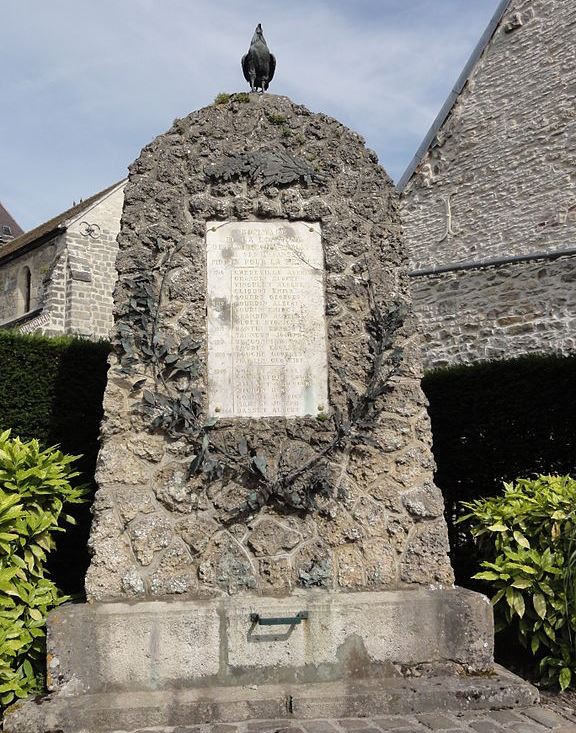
[(121, 646), (281, 704), (149, 645)]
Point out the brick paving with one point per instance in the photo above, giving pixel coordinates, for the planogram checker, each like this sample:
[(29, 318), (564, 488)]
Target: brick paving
[(522, 720)]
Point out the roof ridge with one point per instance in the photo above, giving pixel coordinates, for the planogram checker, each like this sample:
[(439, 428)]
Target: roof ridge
[(57, 222)]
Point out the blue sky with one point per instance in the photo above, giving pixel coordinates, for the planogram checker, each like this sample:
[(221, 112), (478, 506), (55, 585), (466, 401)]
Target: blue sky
[(87, 83)]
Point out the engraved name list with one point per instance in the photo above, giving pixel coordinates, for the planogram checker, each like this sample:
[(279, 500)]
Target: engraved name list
[(267, 351)]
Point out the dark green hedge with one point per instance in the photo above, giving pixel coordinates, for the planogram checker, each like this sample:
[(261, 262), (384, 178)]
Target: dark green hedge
[(491, 422), (495, 422), (52, 389)]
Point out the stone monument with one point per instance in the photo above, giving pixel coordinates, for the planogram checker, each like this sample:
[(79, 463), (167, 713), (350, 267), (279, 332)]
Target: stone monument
[(267, 537)]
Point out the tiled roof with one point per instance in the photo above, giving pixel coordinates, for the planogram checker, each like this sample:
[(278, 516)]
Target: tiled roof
[(52, 225), (6, 220)]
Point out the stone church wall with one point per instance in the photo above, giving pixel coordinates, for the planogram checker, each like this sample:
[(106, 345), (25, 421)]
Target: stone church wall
[(72, 276), (92, 272), (497, 312), (498, 181), (12, 275)]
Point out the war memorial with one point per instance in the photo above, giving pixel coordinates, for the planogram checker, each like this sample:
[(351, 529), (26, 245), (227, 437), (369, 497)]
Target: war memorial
[(268, 541)]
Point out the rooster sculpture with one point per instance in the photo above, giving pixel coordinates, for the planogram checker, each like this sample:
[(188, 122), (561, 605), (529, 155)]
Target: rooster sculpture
[(258, 64)]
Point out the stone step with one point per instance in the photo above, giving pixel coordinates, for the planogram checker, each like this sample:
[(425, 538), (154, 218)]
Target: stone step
[(106, 712)]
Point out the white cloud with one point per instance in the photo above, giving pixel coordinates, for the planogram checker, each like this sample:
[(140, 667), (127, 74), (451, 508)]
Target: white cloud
[(89, 83)]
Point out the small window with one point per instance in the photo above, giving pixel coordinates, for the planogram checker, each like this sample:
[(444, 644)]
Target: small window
[(6, 230), (24, 291)]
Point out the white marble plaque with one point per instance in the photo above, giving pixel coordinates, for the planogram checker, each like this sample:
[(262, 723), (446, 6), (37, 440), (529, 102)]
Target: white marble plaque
[(267, 353)]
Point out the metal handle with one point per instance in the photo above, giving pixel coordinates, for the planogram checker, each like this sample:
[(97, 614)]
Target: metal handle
[(278, 621)]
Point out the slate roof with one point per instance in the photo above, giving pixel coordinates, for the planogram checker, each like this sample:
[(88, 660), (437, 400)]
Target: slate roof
[(6, 220), (454, 94), (51, 227)]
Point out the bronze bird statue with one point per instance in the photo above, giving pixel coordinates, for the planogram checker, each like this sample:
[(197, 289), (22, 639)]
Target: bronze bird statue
[(258, 64)]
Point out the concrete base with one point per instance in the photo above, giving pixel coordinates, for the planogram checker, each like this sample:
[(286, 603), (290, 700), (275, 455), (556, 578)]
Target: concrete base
[(162, 645), (131, 711), (129, 665)]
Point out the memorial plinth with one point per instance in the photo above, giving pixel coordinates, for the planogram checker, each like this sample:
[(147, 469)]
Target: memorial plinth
[(266, 516)]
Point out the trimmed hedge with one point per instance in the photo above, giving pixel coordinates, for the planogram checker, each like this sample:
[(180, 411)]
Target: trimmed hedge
[(496, 421), (491, 422), (51, 389)]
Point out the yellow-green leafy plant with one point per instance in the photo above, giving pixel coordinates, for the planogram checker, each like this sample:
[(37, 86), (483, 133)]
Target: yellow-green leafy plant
[(35, 486), (528, 539)]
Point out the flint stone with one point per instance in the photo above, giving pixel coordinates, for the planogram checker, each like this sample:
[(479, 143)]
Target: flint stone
[(423, 503), (271, 538), (149, 534)]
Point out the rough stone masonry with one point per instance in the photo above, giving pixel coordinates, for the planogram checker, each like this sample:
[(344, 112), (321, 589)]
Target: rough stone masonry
[(498, 181), (342, 498), (267, 541)]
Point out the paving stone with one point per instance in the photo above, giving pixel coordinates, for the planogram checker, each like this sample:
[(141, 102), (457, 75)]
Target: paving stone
[(465, 717), (525, 728), (263, 725), (437, 721), (355, 723), (504, 716), (529, 720), (545, 717), (486, 726), (394, 723), (320, 726)]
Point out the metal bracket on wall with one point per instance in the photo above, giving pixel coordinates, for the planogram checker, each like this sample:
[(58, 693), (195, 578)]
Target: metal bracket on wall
[(278, 621)]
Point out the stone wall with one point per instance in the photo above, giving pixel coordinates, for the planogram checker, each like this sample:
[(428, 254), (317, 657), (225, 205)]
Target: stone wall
[(497, 312), (342, 500), (39, 262), (506, 156), (499, 181), (73, 275)]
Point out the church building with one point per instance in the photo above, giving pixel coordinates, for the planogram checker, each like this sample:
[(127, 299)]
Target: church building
[(58, 278), (8, 226), (489, 200)]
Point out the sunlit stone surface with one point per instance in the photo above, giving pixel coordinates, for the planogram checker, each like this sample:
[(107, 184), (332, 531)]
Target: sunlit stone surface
[(266, 326)]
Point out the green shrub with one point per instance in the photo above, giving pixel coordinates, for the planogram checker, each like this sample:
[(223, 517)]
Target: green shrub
[(495, 421), (52, 389), (528, 537), (34, 487)]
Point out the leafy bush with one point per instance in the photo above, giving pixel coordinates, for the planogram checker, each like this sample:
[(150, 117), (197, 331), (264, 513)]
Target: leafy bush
[(528, 536), (495, 421), (51, 389), (34, 487)]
